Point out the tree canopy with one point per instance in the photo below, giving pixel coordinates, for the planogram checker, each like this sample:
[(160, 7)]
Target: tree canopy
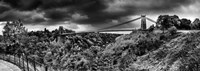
[(167, 21)]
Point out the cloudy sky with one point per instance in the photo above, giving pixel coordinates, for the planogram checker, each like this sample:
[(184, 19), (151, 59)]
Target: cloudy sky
[(85, 15)]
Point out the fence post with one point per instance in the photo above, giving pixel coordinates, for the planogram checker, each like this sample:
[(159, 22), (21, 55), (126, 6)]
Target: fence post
[(14, 60), (19, 60), (46, 68), (60, 69), (27, 63), (34, 64), (9, 58), (3, 57), (23, 62)]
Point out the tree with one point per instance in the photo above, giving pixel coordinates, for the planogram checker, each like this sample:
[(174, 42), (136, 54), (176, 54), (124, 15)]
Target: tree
[(151, 28), (185, 24), (165, 22)]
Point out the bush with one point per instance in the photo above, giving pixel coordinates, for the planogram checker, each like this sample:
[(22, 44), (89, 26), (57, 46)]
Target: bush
[(172, 30), (151, 28)]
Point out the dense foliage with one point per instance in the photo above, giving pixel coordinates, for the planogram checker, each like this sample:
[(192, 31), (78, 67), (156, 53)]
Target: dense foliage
[(166, 21), (179, 54), (76, 52)]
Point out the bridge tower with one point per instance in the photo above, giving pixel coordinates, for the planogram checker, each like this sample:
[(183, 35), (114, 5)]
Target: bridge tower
[(143, 22)]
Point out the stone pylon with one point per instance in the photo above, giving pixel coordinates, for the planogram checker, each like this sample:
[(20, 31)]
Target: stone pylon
[(143, 22)]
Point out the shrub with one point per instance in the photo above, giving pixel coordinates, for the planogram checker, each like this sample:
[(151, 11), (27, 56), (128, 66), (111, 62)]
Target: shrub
[(172, 30)]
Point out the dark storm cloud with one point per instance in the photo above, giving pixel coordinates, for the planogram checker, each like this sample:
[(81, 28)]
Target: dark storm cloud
[(91, 8), (34, 20), (116, 9), (159, 5), (24, 4), (53, 8), (57, 14), (45, 4), (3, 9), (26, 16), (8, 15), (96, 11)]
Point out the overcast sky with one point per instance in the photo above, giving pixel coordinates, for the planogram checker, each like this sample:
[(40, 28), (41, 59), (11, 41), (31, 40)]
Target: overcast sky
[(84, 15)]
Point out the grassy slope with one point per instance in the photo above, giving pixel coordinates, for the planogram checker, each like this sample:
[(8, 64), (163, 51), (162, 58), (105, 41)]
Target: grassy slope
[(145, 51), (128, 47), (181, 53)]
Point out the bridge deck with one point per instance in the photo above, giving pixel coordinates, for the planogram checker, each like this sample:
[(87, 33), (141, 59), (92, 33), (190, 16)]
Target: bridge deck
[(156, 31)]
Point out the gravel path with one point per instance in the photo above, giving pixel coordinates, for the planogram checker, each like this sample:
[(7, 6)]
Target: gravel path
[(6, 66)]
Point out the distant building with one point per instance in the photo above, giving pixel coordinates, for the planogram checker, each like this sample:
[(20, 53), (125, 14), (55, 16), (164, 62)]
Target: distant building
[(13, 28)]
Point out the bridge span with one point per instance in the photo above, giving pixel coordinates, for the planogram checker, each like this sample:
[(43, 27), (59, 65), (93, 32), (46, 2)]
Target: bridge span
[(143, 19)]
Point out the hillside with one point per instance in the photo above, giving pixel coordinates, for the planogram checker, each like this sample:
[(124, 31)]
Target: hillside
[(143, 51), (138, 51), (181, 53)]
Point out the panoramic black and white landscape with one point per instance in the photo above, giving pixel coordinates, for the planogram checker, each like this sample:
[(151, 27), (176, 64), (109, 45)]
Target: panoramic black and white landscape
[(99, 35)]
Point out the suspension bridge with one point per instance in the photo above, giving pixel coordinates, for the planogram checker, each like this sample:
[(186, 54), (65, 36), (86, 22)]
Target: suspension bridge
[(143, 19)]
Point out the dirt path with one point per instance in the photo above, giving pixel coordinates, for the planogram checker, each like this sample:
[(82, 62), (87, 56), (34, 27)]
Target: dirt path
[(6, 66)]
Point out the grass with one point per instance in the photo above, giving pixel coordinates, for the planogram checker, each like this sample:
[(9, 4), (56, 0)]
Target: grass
[(180, 53)]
